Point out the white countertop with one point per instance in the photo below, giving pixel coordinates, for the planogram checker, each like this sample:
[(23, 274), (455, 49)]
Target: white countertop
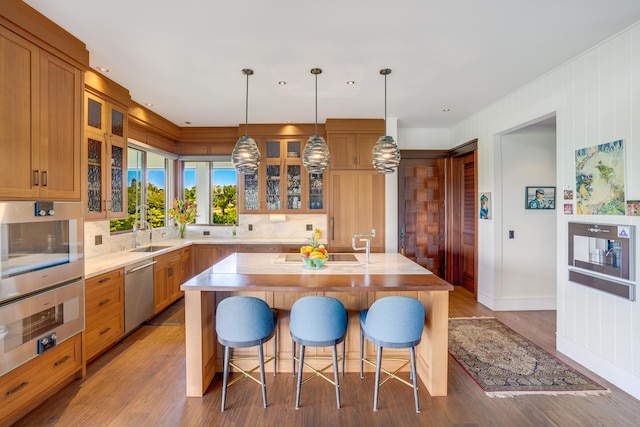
[(95, 266), (266, 263)]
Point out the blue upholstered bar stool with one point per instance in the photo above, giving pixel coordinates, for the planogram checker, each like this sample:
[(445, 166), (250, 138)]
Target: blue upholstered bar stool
[(392, 322), (245, 322), (318, 321)]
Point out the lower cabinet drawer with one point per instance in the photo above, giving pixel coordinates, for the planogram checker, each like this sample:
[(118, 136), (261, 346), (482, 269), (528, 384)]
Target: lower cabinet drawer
[(25, 383), (103, 335)]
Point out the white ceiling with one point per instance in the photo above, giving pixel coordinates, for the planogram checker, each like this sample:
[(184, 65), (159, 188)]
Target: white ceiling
[(185, 57)]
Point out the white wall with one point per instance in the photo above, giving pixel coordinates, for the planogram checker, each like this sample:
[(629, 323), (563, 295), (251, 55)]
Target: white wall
[(528, 274), (596, 99)]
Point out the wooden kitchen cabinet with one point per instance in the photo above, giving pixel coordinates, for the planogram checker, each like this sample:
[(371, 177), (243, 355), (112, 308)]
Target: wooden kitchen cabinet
[(205, 256), (105, 148), (282, 184), (104, 305), (186, 255), (40, 118), (356, 206), (167, 278), (27, 385), (352, 150)]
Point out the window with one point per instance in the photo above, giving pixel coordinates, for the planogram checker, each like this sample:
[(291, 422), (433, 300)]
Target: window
[(213, 186), (147, 173)]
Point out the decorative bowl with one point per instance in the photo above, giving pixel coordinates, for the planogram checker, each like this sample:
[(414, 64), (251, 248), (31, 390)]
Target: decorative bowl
[(314, 262)]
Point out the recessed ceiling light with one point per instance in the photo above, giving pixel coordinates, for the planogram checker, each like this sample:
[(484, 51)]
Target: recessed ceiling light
[(187, 123), (148, 104), (282, 83), (351, 82), (102, 69), (446, 110)]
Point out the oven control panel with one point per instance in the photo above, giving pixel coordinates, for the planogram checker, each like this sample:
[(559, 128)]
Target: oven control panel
[(45, 343), (44, 208)]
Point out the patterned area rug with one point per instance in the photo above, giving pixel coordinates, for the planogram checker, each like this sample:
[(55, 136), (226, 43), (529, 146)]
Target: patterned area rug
[(505, 364)]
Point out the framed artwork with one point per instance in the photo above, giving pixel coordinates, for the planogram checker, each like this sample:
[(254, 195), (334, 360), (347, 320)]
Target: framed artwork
[(568, 208), (540, 197), (485, 205), (568, 194), (600, 179), (633, 207)]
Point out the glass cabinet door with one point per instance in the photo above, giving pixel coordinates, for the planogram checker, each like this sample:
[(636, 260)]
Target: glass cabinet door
[(273, 187), (117, 179), (316, 191), (94, 175), (251, 192), (294, 187)]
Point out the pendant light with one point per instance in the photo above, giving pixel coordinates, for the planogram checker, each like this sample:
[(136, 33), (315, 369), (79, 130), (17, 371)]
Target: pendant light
[(315, 156), (385, 155), (245, 155)]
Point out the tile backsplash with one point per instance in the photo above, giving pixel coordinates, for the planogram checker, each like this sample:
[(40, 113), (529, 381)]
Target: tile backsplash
[(262, 227)]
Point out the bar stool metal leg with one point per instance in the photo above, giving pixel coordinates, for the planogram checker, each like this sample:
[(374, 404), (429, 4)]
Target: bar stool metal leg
[(225, 376), (300, 365), (415, 378), (262, 376), (377, 386), (334, 352)]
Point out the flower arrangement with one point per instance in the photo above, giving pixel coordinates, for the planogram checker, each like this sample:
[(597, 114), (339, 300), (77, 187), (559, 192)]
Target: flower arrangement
[(183, 213)]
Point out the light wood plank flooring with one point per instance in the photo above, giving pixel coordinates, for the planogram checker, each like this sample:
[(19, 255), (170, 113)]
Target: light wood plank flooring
[(140, 382)]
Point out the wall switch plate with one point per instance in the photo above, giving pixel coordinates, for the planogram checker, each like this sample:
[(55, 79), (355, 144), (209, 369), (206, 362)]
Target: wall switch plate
[(512, 234), (250, 227), (309, 227), (98, 239), (206, 233)]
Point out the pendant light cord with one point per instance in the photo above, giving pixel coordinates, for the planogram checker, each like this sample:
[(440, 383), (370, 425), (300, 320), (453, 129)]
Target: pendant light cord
[(246, 109), (385, 104), (316, 104)]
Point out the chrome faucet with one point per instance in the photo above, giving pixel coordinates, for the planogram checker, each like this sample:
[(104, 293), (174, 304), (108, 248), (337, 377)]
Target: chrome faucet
[(142, 222), (367, 246)]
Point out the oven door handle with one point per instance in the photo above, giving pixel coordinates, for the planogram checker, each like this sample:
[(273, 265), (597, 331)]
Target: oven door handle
[(133, 270)]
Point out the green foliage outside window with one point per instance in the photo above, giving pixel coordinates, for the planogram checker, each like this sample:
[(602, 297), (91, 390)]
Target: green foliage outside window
[(155, 210)]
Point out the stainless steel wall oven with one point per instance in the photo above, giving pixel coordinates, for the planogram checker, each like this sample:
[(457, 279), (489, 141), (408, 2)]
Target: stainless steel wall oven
[(41, 278)]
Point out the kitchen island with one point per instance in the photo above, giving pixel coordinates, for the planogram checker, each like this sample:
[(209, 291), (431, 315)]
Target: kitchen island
[(280, 283)]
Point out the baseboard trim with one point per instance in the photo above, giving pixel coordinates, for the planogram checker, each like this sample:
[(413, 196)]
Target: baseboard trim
[(621, 378)]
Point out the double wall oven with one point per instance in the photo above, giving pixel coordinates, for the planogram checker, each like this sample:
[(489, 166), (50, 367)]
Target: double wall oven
[(41, 278)]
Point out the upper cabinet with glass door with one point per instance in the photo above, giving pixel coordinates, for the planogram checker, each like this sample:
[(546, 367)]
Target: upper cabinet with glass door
[(282, 185), (105, 151), (106, 156)]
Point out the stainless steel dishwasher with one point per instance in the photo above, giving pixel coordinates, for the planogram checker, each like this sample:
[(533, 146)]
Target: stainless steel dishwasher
[(138, 294)]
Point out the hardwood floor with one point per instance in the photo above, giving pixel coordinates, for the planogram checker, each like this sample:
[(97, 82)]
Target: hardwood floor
[(140, 382)]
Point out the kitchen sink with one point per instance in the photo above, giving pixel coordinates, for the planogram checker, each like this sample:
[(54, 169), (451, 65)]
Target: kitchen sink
[(152, 248)]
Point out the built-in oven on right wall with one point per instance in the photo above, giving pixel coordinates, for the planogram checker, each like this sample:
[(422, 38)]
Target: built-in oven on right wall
[(601, 256)]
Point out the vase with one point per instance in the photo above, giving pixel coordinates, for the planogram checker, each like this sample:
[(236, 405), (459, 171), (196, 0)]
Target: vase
[(183, 229)]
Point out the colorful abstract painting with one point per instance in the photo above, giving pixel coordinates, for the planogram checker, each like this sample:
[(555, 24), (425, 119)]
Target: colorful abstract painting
[(600, 179)]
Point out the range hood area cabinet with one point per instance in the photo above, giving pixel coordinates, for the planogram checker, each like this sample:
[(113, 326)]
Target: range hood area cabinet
[(41, 131), (105, 148)]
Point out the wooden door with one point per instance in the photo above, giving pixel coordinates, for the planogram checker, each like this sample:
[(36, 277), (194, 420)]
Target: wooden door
[(421, 212), (462, 218)]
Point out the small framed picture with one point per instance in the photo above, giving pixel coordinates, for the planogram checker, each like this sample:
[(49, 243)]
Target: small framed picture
[(568, 208), (540, 197), (485, 205), (633, 207), (568, 194)]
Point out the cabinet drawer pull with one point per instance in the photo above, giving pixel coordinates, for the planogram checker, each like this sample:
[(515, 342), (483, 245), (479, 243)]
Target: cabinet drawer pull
[(36, 177), (104, 331), (45, 179), (106, 301), (17, 389), (106, 279), (61, 361)]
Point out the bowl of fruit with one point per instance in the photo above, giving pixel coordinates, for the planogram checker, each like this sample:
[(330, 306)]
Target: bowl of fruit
[(314, 256)]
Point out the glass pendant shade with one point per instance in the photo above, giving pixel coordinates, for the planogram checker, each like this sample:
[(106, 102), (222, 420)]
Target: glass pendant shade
[(315, 156), (385, 155), (245, 155)]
